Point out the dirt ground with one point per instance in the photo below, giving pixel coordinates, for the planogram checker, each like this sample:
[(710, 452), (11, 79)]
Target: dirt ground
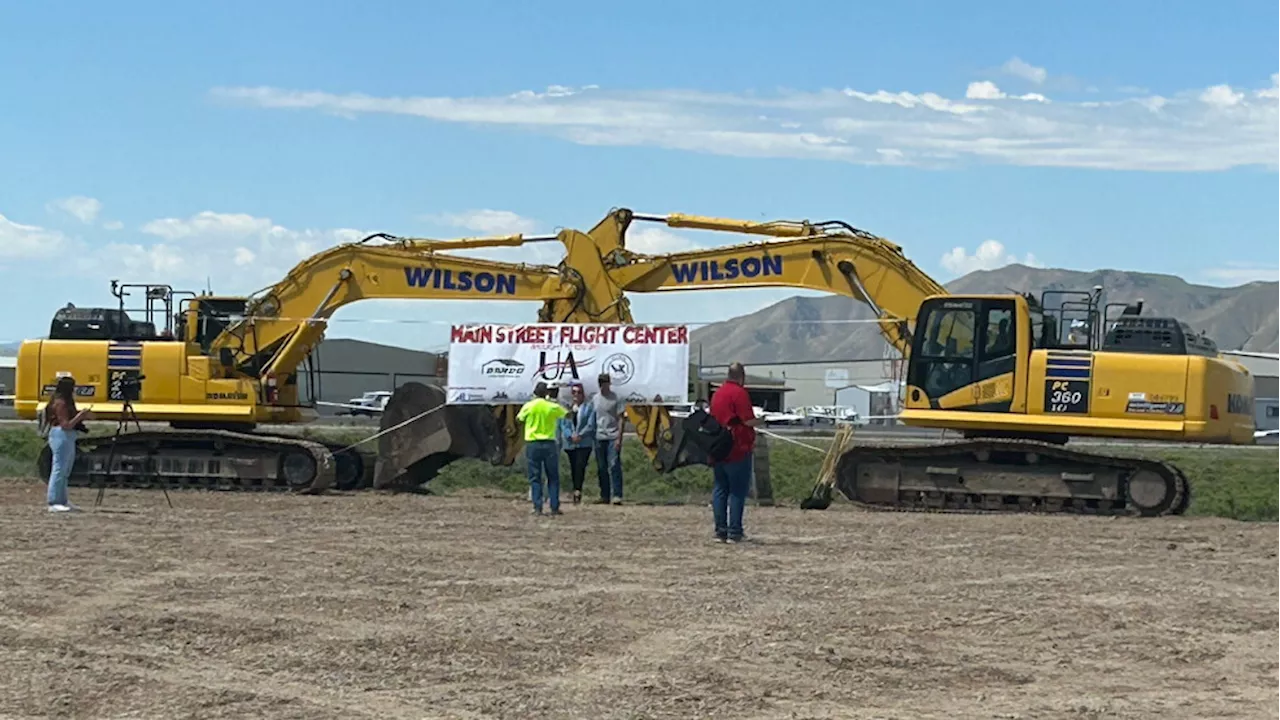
[(235, 606)]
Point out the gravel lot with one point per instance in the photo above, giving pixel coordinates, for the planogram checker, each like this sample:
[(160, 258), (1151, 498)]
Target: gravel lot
[(235, 606)]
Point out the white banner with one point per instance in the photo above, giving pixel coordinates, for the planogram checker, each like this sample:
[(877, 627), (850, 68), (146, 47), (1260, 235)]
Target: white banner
[(500, 364)]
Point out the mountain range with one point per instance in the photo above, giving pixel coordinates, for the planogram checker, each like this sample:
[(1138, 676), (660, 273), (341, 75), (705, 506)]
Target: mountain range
[(817, 328)]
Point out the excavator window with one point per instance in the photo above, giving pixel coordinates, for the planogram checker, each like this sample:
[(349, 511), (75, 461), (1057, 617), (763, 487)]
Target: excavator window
[(944, 357), (1000, 352), (999, 332), (214, 316)]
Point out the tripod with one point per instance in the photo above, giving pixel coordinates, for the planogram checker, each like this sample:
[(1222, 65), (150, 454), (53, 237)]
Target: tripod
[(126, 412)]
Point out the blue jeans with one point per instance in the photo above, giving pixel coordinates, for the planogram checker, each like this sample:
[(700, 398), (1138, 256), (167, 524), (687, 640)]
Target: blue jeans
[(542, 456), (63, 445), (729, 496), (609, 469)]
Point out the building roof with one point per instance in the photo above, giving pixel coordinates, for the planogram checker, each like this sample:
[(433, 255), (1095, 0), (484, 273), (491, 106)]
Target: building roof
[(719, 375), (1260, 367), (8, 362)]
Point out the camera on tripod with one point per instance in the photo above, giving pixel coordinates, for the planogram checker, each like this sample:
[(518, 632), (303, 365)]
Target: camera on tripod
[(130, 387)]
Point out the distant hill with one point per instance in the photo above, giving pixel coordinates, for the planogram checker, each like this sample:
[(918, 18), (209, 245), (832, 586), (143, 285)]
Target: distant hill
[(1238, 318), (9, 348)]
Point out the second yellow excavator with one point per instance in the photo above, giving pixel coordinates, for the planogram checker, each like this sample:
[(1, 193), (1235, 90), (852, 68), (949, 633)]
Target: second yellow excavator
[(1017, 374)]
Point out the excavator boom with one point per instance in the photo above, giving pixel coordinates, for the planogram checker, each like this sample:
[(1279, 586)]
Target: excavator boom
[(284, 322), (832, 256)]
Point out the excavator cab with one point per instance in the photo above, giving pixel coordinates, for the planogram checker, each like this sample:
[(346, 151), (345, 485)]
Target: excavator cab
[(202, 318), (963, 346)]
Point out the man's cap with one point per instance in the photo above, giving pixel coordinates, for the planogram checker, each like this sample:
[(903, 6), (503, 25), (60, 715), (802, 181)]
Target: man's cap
[(604, 378), (540, 389)]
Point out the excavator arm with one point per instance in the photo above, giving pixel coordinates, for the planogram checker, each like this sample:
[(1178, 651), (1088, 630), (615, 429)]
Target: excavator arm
[(832, 257), (829, 256), (284, 322)]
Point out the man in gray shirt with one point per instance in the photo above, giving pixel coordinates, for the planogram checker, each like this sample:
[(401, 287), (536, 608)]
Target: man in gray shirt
[(608, 407)]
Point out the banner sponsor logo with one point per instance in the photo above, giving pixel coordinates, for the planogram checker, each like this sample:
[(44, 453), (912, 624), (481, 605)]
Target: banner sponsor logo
[(497, 364)]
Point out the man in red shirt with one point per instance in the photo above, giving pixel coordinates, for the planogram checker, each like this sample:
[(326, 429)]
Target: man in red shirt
[(731, 407)]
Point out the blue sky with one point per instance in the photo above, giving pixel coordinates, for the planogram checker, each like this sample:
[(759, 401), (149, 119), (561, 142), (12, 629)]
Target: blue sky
[(165, 142)]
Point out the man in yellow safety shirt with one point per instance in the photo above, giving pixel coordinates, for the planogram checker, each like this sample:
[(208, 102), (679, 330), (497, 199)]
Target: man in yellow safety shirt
[(540, 417)]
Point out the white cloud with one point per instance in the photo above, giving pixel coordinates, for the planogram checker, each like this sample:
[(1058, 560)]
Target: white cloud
[(241, 253), (987, 90), (990, 255), (657, 241), (488, 222), (1176, 133), (983, 90), (1273, 91), (20, 242), (1222, 96), (151, 263), (1018, 67), (113, 225), (1241, 274), (209, 225), (84, 209)]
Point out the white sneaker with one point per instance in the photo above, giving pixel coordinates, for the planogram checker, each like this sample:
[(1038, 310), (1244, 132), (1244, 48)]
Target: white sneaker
[(59, 508)]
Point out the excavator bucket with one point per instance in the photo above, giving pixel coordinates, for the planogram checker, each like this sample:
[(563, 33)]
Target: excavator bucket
[(679, 447), (428, 434)]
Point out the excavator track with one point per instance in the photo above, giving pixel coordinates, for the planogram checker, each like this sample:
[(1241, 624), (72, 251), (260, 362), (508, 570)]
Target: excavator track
[(210, 460), (1003, 476)]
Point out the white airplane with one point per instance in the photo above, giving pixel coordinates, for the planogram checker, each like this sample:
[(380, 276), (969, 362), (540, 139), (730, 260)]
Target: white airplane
[(372, 402), (682, 411), (776, 417)]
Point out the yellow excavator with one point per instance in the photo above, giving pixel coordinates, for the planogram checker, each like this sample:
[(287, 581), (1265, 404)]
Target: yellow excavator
[(1017, 374), (221, 366)]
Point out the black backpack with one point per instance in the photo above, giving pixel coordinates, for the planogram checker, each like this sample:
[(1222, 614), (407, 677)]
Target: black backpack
[(705, 432)]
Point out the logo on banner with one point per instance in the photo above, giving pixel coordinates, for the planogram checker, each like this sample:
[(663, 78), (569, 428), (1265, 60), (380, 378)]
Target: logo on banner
[(502, 367), (621, 368), (563, 364)]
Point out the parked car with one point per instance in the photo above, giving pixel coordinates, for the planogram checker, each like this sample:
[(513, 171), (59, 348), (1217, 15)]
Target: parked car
[(375, 400)]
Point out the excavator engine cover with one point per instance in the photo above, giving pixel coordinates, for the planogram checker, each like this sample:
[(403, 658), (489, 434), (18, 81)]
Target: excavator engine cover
[(431, 434)]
